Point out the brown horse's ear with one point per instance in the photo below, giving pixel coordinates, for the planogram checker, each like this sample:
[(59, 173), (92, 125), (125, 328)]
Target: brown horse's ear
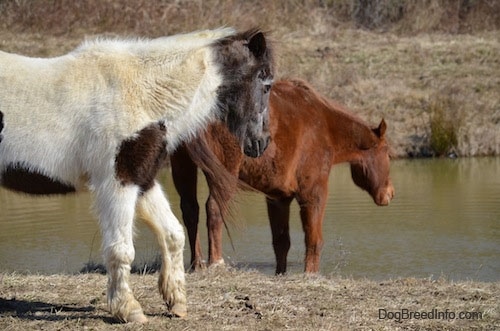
[(257, 44), (380, 131)]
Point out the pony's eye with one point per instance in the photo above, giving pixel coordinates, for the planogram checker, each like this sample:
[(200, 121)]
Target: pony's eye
[(267, 79)]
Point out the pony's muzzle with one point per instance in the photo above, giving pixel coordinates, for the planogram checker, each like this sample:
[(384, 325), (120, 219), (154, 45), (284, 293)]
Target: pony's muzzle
[(256, 147)]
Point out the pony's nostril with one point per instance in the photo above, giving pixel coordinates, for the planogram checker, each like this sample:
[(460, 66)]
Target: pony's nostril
[(263, 144)]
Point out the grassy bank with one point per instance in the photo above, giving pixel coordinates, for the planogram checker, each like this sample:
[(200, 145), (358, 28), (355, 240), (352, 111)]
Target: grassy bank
[(235, 300), (430, 68)]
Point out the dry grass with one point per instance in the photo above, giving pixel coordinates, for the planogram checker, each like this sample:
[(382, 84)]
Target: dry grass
[(163, 17), (233, 299)]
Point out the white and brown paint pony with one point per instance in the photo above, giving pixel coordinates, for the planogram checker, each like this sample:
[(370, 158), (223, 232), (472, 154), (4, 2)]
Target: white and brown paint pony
[(105, 116)]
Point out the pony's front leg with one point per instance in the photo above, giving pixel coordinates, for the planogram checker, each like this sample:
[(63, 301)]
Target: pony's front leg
[(154, 209), (116, 208)]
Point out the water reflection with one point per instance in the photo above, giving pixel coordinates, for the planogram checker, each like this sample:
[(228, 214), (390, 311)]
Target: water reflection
[(445, 220)]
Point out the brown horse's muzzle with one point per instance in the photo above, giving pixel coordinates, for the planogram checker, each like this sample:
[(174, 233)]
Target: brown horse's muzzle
[(385, 195)]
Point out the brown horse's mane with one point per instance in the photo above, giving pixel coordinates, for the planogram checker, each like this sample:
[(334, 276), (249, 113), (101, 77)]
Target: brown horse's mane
[(327, 103), (367, 137)]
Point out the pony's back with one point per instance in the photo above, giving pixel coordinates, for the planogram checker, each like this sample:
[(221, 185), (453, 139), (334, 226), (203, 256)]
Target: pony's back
[(140, 46)]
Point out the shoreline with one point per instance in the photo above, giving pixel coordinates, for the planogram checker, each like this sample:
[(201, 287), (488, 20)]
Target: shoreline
[(229, 299)]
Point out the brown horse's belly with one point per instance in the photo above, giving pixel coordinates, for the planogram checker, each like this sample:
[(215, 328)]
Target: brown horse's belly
[(268, 182)]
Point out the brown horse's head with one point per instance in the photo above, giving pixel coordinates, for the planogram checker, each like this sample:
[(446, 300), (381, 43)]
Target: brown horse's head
[(247, 70), (371, 173)]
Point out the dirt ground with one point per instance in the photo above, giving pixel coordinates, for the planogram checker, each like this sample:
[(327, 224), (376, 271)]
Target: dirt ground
[(231, 299)]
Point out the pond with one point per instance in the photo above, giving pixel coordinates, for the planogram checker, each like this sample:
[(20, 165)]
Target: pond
[(444, 221)]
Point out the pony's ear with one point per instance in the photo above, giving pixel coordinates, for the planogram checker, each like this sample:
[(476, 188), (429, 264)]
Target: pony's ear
[(380, 131), (257, 44)]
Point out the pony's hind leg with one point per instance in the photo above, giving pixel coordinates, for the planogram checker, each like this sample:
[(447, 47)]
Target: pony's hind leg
[(154, 209), (115, 208)]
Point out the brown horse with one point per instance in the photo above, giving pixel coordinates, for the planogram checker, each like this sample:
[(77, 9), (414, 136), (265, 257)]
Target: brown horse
[(309, 135)]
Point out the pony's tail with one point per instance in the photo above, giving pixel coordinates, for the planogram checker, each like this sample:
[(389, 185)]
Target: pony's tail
[(224, 184)]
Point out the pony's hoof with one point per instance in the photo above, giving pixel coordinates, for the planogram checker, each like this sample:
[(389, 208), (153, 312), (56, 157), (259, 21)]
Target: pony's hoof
[(179, 310), (137, 317)]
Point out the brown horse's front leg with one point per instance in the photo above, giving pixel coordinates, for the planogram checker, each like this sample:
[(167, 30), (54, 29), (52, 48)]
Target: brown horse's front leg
[(312, 211), (229, 153), (215, 224), (184, 174), (278, 211), (190, 216)]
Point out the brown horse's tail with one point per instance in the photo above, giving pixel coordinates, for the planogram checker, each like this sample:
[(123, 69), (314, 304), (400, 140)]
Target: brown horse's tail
[(224, 184)]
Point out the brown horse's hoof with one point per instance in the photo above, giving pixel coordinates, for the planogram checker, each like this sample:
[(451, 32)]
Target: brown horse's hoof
[(179, 310), (217, 264)]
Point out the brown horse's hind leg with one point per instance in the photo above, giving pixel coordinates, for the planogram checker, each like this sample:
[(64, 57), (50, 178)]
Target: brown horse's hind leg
[(312, 211), (184, 174), (279, 218)]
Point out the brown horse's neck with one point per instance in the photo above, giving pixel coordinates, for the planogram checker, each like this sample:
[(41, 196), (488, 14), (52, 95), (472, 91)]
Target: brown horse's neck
[(350, 136)]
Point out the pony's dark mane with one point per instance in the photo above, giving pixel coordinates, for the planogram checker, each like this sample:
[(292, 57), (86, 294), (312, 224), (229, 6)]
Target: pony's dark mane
[(267, 55), (266, 58), (246, 35), (225, 184)]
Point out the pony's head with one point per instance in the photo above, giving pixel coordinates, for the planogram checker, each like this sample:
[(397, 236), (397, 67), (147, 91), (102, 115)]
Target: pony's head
[(371, 173), (246, 66)]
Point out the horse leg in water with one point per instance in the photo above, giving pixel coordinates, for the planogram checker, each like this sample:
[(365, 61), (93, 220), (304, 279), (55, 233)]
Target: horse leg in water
[(312, 204), (215, 219), (215, 224), (278, 211), (228, 151), (184, 174), (153, 208)]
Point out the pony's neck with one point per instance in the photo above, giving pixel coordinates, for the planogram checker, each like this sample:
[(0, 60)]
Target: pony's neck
[(180, 90), (350, 136)]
